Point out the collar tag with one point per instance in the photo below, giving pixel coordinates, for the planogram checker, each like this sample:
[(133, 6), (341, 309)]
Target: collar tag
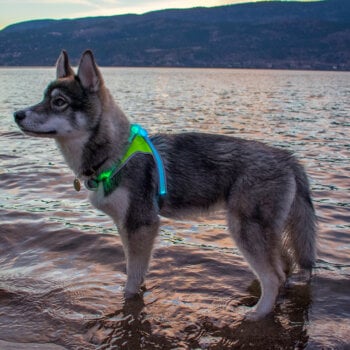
[(76, 184)]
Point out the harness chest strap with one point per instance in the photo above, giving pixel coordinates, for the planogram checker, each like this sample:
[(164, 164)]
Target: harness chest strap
[(139, 142)]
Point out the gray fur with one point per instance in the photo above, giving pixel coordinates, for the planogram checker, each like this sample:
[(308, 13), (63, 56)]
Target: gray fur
[(264, 190)]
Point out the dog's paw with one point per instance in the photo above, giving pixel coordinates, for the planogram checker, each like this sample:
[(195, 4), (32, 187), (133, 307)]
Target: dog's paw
[(128, 295), (134, 293), (302, 277), (253, 315)]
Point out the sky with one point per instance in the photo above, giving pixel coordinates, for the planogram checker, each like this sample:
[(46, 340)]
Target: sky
[(14, 11)]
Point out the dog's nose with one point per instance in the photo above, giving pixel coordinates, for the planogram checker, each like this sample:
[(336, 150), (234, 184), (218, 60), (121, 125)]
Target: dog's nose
[(19, 115)]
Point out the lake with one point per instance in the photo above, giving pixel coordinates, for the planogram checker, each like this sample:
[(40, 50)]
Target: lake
[(62, 266)]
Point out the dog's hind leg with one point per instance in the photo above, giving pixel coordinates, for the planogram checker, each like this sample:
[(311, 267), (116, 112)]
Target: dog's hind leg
[(258, 248), (137, 246)]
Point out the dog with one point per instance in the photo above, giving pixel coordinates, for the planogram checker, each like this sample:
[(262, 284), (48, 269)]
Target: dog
[(264, 190)]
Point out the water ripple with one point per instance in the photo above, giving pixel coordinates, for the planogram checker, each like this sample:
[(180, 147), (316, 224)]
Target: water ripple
[(63, 270)]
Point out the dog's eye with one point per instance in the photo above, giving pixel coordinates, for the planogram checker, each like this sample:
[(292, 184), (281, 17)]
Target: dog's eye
[(59, 102)]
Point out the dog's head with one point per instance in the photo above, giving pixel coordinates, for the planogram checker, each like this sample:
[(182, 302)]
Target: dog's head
[(71, 105)]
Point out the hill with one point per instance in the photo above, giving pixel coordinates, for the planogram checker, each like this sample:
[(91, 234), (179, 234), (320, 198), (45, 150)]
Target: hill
[(300, 35)]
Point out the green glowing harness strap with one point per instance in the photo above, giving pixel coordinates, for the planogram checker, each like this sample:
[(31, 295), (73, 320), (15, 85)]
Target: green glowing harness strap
[(139, 142)]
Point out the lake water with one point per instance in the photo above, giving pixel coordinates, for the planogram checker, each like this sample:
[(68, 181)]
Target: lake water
[(61, 262)]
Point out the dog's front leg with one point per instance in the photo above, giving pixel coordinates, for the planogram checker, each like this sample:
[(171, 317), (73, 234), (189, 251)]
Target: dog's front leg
[(138, 246)]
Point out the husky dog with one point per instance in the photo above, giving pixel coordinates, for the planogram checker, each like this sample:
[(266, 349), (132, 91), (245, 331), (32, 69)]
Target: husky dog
[(264, 190)]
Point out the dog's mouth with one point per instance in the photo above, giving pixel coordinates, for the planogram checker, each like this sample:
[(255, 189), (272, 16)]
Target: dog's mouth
[(38, 133), (51, 132)]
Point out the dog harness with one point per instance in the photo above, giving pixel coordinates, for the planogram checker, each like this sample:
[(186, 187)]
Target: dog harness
[(139, 142)]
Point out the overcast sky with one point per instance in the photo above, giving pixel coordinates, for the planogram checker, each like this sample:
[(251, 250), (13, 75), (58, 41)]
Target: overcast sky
[(13, 11)]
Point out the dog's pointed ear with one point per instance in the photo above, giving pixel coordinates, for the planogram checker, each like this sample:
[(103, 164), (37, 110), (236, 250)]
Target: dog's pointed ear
[(63, 68), (88, 72)]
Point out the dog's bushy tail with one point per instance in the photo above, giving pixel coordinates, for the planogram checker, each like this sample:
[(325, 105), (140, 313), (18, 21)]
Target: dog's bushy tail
[(301, 228)]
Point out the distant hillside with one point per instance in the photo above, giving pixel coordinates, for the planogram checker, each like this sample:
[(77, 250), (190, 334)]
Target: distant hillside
[(299, 35)]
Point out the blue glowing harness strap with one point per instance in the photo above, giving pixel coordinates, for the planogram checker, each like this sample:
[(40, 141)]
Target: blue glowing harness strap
[(137, 130)]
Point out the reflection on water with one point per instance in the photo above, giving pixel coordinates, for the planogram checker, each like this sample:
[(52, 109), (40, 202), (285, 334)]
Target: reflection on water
[(62, 265)]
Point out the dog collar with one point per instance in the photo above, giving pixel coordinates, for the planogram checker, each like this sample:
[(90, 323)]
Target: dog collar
[(139, 142)]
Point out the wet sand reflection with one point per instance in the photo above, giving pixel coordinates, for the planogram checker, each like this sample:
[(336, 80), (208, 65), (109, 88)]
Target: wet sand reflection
[(181, 310), (195, 298)]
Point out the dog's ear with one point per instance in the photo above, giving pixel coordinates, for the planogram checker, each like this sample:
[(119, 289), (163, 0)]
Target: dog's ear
[(88, 72), (63, 68)]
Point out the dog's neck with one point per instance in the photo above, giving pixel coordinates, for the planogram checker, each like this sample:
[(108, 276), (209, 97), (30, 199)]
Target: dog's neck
[(93, 153), (72, 150)]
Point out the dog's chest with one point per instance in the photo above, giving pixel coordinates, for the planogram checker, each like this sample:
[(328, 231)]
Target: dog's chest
[(115, 204)]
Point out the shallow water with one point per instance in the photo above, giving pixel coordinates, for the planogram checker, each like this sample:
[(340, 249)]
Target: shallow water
[(62, 266)]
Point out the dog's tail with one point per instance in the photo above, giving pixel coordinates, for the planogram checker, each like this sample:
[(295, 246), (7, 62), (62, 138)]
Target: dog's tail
[(301, 226)]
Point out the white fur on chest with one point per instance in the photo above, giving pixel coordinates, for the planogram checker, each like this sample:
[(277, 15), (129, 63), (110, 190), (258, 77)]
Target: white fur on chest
[(115, 204)]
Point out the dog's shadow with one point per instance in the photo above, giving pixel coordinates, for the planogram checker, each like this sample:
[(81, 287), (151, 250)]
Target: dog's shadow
[(131, 327), (198, 301), (127, 328)]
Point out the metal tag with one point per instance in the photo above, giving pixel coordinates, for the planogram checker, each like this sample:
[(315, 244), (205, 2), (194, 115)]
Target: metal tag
[(76, 184)]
